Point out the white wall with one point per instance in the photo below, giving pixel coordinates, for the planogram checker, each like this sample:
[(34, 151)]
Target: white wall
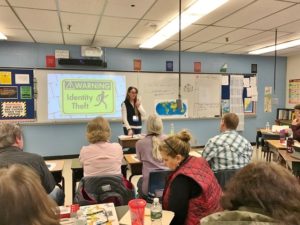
[(292, 72)]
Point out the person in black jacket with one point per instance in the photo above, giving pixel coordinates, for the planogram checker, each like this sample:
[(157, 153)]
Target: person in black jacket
[(132, 112)]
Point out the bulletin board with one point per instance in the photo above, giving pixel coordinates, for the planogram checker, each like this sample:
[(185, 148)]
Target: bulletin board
[(248, 89), (17, 95)]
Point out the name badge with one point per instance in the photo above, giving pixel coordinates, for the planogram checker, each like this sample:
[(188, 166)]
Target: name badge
[(135, 118)]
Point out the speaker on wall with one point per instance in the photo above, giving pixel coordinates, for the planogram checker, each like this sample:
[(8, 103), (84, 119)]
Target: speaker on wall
[(253, 68), (83, 62)]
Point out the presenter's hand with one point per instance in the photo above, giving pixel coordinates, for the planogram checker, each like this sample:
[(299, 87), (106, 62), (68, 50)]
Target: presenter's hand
[(137, 103), (295, 122), (130, 133)]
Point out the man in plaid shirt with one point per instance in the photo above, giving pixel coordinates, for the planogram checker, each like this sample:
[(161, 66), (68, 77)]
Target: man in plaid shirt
[(228, 150)]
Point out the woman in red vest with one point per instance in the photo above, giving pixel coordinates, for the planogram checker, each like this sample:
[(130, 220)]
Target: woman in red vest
[(192, 190)]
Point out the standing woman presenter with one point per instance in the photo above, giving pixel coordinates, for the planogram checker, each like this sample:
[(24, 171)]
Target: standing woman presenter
[(132, 112)]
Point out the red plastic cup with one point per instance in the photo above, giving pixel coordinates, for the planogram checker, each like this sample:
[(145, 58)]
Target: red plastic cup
[(137, 211), (73, 210)]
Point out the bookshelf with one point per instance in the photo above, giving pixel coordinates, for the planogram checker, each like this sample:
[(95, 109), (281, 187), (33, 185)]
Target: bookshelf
[(284, 116)]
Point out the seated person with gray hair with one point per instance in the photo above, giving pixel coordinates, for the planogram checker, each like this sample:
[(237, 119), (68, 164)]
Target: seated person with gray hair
[(229, 151), (11, 152)]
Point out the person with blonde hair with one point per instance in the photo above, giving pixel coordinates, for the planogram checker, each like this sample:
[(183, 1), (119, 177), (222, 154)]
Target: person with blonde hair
[(148, 153), (23, 198), (100, 157), (11, 152), (260, 193), (191, 191)]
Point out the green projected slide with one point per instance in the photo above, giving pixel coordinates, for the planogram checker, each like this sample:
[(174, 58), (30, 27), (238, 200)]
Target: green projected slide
[(87, 96)]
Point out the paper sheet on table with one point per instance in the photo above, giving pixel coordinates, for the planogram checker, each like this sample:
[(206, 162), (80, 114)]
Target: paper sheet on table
[(166, 218)]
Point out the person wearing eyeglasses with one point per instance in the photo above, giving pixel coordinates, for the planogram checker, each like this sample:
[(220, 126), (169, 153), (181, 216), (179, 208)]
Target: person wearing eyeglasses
[(296, 123), (11, 152), (132, 112), (192, 191), (23, 199)]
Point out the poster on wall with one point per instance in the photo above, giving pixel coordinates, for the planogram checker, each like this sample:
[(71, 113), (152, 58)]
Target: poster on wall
[(294, 91), (268, 99), (16, 96)]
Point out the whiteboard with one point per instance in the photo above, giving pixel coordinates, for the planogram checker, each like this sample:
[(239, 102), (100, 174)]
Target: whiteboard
[(201, 93)]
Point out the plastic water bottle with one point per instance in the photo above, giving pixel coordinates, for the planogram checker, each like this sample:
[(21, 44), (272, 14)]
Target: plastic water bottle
[(156, 212), (172, 129), (267, 126)]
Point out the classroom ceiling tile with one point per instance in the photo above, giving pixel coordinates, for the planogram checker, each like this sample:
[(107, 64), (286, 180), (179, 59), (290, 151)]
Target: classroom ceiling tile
[(225, 10), (94, 7), (3, 3), (204, 47), (184, 46), (209, 33), (243, 50), (78, 39), (288, 15), (42, 19), (225, 48), (47, 37), (34, 4), (253, 12), (8, 19), (130, 43), (164, 45), (114, 26), (80, 23), (165, 10), (261, 37), (127, 8), (107, 41), (145, 28), (18, 35), (290, 27), (187, 32), (235, 36)]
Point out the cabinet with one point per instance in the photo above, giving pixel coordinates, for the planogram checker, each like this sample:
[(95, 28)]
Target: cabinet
[(284, 116)]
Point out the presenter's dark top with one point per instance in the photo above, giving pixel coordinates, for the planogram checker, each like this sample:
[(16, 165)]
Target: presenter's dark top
[(13, 155), (130, 115)]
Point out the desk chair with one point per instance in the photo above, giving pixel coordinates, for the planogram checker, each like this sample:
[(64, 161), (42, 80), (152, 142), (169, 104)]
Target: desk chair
[(157, 181), (104, 189), (267, 154), (223, 176)]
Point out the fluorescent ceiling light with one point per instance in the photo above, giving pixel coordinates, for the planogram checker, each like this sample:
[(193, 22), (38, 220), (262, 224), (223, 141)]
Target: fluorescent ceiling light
[(194, 12), (2, 36), (278, 47)]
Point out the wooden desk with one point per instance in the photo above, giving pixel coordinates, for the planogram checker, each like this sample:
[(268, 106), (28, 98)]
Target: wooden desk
[(127, 141), (285, 157), (136, 166), (57, 171)]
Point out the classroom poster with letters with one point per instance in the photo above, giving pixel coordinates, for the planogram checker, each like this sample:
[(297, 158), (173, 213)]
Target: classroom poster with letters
[(294, 91)]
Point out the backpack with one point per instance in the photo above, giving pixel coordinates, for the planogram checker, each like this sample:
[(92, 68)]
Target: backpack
[(104, 189)]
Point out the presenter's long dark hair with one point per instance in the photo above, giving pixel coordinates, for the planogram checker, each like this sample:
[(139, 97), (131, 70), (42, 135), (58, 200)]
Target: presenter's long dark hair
[(134, 100)]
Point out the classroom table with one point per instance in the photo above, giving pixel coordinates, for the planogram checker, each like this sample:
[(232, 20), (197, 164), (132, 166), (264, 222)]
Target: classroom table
[(56, 167), (136, 166), (128, 141), (285, 157), (77, 173)]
